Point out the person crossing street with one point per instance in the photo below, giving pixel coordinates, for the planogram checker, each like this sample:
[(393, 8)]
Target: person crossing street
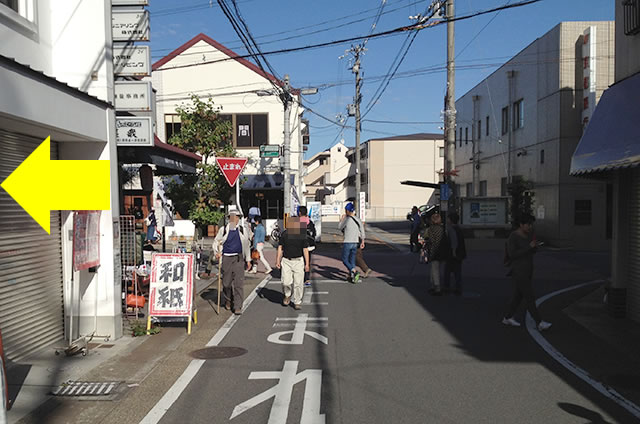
[(354, 236)]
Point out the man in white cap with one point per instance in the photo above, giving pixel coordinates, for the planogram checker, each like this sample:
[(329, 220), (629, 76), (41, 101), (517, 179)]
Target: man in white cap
[(231, 245)]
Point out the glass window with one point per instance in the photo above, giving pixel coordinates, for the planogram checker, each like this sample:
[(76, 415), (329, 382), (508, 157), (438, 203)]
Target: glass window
[(243, 130), (518, 114), (466, 135), (486, 127), (260, 130), (460, 136), (582, 212), (469, 190), (441, 149), (505, 120), (483, 188), (11, 4), (542, 156), (479, 129), (503, 186)]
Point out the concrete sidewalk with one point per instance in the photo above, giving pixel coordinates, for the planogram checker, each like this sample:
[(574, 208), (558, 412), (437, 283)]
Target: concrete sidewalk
[(145, 368)]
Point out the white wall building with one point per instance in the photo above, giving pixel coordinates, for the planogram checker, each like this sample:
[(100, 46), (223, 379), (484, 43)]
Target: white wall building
[(204, 67), (524, 122), (326, 176), (57, 79)]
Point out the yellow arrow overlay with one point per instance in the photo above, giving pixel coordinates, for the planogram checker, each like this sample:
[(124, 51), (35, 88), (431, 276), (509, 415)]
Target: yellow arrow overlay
[(41, 185)]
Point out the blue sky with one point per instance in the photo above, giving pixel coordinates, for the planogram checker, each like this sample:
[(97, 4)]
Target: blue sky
[(416, 95)]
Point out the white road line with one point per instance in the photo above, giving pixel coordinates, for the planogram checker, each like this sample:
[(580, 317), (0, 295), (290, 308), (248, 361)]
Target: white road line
[(157, 412), (607, 391)]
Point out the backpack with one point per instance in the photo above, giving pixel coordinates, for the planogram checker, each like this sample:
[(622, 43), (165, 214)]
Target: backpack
[(311, 233)]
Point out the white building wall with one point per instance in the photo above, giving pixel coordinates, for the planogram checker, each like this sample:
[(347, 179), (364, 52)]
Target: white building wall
[(69, 41)]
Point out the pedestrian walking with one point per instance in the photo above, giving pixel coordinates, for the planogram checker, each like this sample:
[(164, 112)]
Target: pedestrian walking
[(293, 260), (258, 244), (415, 229), (152, 224), (437, 247), (310, 230), (457, 255), (521, 246), (354, 236), (231, 246)]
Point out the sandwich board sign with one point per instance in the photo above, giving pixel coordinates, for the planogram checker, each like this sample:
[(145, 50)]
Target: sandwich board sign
[(171, 287)]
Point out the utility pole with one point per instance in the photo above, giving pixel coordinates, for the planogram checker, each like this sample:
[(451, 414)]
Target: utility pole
[(285, 96), (358, 98), (450, 111)]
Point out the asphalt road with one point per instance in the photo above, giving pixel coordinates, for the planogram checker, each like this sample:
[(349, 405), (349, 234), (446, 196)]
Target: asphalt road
[(384, 351)]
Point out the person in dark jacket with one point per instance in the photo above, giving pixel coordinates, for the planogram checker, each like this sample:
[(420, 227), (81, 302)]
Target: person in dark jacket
[(437, 251), (457, 255), (521, 246), (415, 229)]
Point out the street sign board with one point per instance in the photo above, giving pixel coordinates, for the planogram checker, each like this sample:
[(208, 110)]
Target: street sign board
[(131, 60), (133, 95), (171, 285), (133, 131), (444, 192), (269, 151), (231, 168), (130, 25)]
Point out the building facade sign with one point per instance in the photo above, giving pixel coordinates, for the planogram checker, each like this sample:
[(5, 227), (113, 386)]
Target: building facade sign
[(485, 211), (588, 74), (130, 60), (134, 131), (133, 95), (130, 25)]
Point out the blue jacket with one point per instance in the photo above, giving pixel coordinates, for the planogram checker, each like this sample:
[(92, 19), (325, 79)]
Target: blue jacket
[(259, 235)]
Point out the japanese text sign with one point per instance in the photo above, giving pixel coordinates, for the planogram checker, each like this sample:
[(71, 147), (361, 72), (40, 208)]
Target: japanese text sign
[(86, 239), (231, 168), (171, 286)]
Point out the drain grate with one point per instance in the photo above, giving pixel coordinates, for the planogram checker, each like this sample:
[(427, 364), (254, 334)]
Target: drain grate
[(86, 388), (218, 352)]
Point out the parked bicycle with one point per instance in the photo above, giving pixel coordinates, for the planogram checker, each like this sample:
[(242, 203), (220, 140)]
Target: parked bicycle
[(275, 233)]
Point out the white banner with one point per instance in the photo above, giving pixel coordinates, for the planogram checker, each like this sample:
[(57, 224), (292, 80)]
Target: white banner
[(133, 95), (315, 215), (171, 286), (362, 204), (130, 25)]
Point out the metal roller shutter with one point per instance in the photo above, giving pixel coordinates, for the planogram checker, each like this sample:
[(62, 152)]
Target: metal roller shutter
[(31, 285), (633, 292)]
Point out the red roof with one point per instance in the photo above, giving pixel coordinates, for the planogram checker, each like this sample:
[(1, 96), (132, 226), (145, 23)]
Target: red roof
[(223, 49), (162, 145)]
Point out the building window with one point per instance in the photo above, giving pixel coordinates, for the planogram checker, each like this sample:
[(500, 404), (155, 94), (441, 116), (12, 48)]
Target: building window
[(460, 136), (171, 125), (483, 188), (469, 189), (503, 186), (11, 4), (582, 212), (486, 127), (518, 114), (351, 181), (505, 120), (542, 156), (250, 130), (363, 178), (631, 17), (466, 135), (479, 129), (323, 161), (441, 152)]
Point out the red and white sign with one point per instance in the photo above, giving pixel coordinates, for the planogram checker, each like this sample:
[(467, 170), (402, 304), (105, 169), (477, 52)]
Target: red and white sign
[(231, 168), (171, 285)]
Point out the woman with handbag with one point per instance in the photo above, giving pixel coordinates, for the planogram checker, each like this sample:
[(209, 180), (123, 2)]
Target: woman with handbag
[(437, 251), (258, 245)]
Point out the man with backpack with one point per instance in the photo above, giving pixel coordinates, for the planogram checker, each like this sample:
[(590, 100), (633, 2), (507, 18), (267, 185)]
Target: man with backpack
[(353, 231), (231, 246)]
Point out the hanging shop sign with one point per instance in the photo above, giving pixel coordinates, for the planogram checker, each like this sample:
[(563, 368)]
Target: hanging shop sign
[(86, 239), (130, 25), (131, 60), (134, 131), (133, 95)]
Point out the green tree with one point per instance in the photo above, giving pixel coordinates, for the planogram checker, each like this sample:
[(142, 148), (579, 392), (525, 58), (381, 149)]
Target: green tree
[(202, 131)]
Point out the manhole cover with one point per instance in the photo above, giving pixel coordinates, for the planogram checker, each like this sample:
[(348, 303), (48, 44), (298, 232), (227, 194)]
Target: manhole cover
[(86, 388), (218, 352)]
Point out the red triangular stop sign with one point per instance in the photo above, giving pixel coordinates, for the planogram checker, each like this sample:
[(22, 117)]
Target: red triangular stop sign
[(231, 168)]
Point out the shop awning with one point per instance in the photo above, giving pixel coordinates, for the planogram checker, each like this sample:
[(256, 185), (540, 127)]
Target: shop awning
[(265, 182), (612, 137), (169, 160)]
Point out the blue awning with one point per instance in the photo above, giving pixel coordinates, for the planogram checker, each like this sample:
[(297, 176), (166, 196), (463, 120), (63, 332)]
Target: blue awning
[(612, 137)]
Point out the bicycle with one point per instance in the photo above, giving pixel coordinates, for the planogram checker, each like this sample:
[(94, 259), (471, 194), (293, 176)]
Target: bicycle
[(275, 233)]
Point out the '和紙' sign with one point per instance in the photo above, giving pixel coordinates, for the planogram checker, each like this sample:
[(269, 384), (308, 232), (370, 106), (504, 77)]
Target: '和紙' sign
[(171, 285)]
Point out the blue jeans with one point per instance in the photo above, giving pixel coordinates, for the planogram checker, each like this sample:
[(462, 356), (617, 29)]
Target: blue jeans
[(349, 256)]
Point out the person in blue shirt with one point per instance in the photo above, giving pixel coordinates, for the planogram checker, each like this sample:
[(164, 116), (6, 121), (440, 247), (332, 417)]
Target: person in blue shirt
[(258, 244)]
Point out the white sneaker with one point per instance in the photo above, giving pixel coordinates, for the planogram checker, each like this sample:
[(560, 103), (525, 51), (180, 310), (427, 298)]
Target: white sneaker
[(510, 321), (253, 271), (544, 325)]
